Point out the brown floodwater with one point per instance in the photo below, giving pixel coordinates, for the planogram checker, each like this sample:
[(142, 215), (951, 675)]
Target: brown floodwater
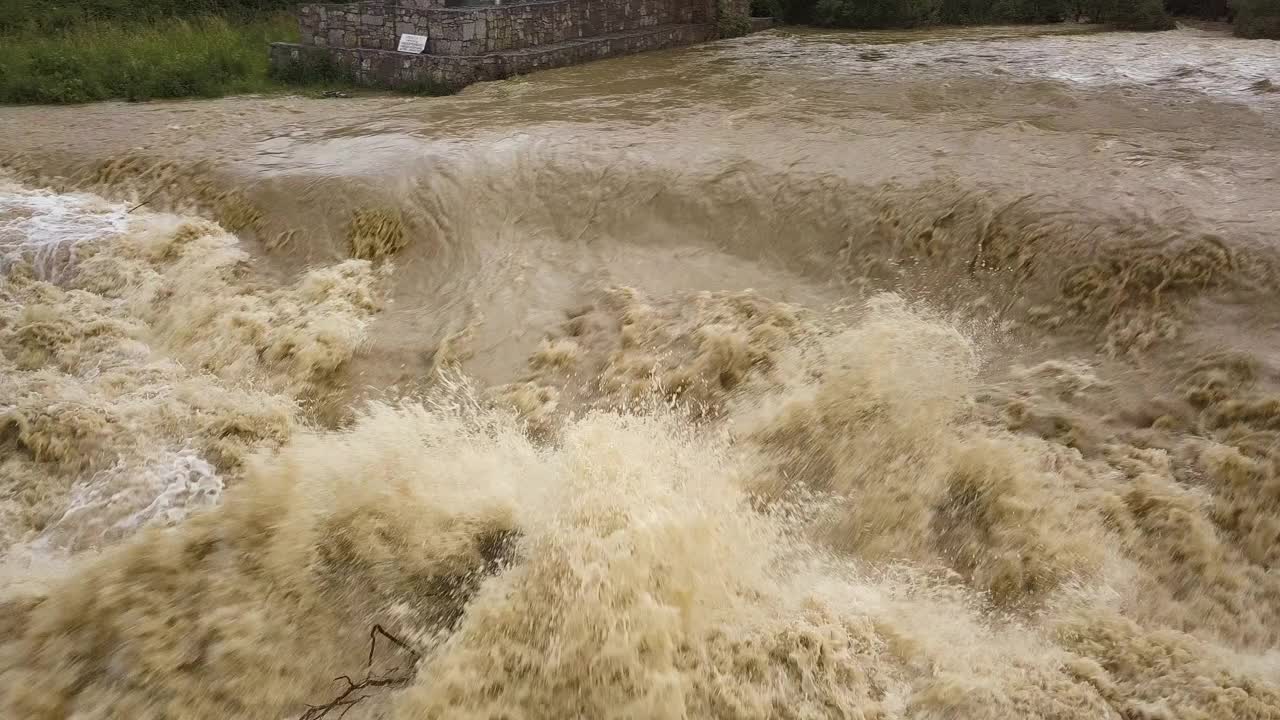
[(925, 374)]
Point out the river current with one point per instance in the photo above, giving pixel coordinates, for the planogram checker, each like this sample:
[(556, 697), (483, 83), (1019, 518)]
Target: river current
[(924, 375)]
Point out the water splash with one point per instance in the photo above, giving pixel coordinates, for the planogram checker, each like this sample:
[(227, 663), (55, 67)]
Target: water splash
[(47, 228)]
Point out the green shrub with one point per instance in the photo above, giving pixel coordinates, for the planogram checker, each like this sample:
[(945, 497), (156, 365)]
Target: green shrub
[(1258, 18), (731, 26), (1205, 9), (205, 57), (1127, 14), (313, 68), (968, 12), (1030, 11), (876, 13), (766, 8), (1140, 15), (795, 11), (729, 21)]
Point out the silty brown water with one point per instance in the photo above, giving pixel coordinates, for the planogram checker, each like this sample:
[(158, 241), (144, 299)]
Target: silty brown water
[(881, 375)]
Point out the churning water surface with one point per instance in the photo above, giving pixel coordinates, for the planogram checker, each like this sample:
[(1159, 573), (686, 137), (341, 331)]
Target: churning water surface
[(924, 374)]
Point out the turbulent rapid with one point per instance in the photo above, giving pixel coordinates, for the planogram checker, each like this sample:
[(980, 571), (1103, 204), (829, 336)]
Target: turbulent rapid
[(807, 375)]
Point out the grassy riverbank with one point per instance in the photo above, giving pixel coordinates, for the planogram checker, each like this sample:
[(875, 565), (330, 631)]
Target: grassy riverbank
[(102, 59)]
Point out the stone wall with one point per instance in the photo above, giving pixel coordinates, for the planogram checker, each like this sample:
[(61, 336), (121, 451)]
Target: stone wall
[(382, 68), (478, 31), (483, 30), (361, 25), (470, 44)]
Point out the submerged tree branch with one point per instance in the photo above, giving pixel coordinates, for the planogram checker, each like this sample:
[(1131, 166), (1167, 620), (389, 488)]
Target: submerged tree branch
[(345, 700)]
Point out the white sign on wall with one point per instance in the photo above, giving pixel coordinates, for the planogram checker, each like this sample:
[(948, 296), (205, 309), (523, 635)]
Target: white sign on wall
[(413, 43)]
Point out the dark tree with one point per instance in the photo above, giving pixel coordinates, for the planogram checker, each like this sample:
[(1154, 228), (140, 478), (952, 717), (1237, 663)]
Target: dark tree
[(1257, 18)]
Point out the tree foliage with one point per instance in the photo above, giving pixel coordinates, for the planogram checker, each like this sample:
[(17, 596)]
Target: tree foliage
[(1139, 15), (876, 13), (967, 12), (1203, 9), (1258, 18)]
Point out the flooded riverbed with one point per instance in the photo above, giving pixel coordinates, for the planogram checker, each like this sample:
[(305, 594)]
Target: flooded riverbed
[(808, 375)]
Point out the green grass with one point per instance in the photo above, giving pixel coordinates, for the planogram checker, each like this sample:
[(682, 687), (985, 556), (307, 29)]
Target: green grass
[(53, 15), (100, 60)]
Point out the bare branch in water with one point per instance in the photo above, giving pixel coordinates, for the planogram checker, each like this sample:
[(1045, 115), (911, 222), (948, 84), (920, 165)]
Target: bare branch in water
[(344, 701), (377, 630)]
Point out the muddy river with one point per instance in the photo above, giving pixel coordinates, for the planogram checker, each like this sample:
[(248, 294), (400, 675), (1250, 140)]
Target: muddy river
[(806, 375)]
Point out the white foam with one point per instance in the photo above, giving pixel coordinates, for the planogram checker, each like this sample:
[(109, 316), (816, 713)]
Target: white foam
[(46, 228), (116, 502)]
